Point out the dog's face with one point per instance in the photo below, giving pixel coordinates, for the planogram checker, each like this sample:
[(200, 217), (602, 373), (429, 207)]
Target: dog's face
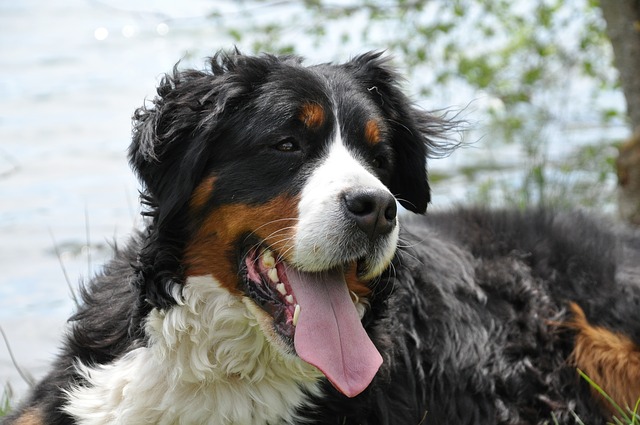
[(280, 181)]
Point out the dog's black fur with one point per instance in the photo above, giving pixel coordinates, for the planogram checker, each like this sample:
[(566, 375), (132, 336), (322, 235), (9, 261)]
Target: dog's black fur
[(473, 317)]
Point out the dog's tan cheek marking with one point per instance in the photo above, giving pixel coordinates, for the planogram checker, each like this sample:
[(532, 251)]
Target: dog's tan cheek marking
[(30, 417), (212, 250), (355, 285), (202, 193), (610, 359), (312, 115), (372, 132)]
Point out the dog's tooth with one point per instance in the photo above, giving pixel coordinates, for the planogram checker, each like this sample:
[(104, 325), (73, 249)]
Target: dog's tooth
[(280, 287), (354, 297), (273, 275), (268, 260), (296, 314), (289, 299)]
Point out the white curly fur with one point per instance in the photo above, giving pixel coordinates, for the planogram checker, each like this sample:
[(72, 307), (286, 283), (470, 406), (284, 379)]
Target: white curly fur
[(208, 361)]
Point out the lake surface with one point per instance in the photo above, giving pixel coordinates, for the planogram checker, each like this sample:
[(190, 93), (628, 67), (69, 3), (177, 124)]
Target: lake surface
[(71, 74)]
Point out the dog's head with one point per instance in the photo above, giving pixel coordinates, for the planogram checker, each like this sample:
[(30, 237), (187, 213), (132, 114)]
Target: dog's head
[(280, 181)]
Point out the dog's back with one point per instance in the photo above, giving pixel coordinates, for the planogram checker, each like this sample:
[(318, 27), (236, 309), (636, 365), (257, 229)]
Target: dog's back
[(491, 312)]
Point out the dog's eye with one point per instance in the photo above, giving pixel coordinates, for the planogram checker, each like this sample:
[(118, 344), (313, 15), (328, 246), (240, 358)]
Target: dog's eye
[(287, 145), (379, 162)]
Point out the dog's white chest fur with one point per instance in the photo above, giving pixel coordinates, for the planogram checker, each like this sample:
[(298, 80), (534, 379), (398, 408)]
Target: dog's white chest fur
[(207, 362)]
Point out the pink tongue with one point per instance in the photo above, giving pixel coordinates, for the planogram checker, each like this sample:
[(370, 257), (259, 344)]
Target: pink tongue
[(329, 334)]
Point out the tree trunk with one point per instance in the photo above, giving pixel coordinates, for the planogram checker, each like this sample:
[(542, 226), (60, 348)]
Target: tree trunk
[(623, 29), (628, 169)]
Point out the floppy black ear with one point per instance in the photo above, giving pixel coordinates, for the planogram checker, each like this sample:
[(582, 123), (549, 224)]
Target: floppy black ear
[(413, 132), (173, 140), (170, 135)]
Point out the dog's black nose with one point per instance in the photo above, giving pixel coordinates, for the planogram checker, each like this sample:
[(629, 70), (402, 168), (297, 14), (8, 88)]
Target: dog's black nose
[(373, 210)]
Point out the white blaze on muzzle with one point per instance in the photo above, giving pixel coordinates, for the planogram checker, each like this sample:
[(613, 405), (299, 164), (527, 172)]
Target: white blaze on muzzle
[(329, 333)]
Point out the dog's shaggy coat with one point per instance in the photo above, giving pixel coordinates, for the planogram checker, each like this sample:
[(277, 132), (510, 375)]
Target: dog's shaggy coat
[(275, 284)]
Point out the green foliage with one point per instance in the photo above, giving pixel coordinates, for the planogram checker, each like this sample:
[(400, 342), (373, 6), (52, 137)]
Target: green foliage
[(585, 176), (5, 401)]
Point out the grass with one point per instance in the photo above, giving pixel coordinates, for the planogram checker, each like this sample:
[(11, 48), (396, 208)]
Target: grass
[(7, 392), (624, 416), (5, 401)]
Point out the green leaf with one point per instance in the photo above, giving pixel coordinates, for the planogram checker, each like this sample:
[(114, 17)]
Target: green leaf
[(533, 75), (235, 34)]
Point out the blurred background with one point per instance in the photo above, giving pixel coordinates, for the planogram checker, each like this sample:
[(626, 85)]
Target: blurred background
[(534, 81)]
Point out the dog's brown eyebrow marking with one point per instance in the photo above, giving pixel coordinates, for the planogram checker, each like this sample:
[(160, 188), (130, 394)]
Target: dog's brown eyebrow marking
[(372, 132), (311, 115), (202, 193)]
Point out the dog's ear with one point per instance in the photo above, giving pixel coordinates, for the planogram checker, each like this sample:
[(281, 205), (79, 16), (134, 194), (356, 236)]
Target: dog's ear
[(170, 135), (173, 140), (414, 133)]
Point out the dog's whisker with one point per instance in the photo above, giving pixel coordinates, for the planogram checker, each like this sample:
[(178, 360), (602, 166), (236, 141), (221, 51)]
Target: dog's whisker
[(277, 220), (270, 223), (419, 242), (267, 239)]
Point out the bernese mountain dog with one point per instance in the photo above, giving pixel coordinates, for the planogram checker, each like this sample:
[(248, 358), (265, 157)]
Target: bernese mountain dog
[(276, 282)]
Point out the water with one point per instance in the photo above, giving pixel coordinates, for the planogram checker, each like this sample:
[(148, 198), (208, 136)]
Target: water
[(71, 74)]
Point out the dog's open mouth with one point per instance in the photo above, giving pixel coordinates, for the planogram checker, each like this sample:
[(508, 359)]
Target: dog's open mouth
[(315, 313)]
